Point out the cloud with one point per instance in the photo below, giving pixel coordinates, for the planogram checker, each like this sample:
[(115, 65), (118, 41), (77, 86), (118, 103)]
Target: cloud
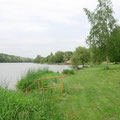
[(31, 27), (52, 10)]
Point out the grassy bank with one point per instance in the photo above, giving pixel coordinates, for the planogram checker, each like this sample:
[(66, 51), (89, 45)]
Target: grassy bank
[(90, 94), (34, 106), (33, 75)]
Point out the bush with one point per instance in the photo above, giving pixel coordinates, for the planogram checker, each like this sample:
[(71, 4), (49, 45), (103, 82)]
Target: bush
[(67, 71)]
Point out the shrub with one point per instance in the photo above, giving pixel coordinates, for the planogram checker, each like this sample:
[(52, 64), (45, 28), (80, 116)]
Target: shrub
[(67, 71)]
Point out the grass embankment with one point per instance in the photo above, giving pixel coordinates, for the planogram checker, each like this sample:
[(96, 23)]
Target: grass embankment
[(33, 106), (33, 75), (91, 94)]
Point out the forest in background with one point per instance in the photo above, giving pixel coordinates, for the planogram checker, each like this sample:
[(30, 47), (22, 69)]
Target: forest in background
[(4, 58)]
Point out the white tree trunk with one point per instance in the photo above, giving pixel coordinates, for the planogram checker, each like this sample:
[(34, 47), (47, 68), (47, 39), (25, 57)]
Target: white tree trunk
[(107, 67)]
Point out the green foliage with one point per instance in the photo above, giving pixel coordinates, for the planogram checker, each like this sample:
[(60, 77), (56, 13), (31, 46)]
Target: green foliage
[(96, 57), (52, 59), (33, 75), (39, 59), (59, 57), (75, 61), (102, 24), (42, 61), (114, 50), (11, 58), (36, 106), (67, 55), (67, 71), (47, 58), (80, 56)]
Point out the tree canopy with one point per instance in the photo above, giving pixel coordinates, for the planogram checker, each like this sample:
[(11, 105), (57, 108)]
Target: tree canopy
[(102, 25), (67, 55), (114, 50), (80, 56), (12, 58), (59, 57)]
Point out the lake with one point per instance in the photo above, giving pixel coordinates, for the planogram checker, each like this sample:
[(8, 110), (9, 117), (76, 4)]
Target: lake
[(10, 73)]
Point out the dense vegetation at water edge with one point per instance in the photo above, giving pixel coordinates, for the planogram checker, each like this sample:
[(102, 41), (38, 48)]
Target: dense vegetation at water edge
[(11, 58)]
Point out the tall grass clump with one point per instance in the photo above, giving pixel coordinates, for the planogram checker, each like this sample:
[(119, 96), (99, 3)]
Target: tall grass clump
[(67, 71), (17, 106), (33, 75)]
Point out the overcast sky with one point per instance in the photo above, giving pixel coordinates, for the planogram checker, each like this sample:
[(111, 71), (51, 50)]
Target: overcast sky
[(32, 27)]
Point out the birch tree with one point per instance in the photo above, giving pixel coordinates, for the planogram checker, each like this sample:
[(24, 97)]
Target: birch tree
[(102, 24)]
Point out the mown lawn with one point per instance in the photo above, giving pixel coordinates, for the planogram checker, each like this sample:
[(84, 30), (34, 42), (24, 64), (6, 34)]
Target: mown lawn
[(92, 94)]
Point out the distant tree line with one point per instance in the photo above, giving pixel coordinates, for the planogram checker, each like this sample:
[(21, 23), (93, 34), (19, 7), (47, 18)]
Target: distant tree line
[(80, 56), (58, 57), (83, 55), (11, 58), (103, 40)]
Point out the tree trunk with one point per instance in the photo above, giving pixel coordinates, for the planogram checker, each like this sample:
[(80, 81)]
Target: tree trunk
[(107, 66), (83, 65)]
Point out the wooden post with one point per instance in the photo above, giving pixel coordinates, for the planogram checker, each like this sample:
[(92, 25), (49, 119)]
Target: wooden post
[(26, 91), (38, 85), (30, 88), (42, 83), (61, 83)]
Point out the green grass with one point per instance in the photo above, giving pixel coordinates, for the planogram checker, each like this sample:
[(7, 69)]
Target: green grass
[(34, 106), (90, 94), (33, 75)]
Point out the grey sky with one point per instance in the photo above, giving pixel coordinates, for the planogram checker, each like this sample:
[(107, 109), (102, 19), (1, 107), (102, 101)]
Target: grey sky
[(31, 27)]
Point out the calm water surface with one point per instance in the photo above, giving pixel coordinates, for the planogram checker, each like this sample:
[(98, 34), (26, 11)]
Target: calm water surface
[(10, 73)]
